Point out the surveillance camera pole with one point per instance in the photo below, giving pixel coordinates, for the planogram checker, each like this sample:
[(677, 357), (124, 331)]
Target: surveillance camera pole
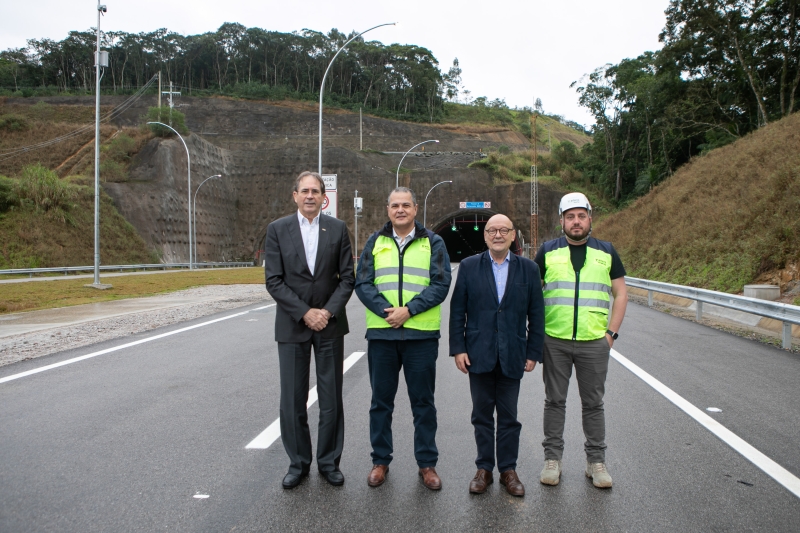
[(96, 284)]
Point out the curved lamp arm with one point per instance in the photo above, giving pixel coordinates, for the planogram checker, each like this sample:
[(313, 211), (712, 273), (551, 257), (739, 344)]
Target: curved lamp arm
[(322, 85), (189, 172), (397, 178)]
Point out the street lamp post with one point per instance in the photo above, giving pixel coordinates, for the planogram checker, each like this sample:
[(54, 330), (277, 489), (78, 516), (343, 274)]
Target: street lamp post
[(397, 178), (194, 211), (189, 188), (322, 85), (99, 61), (425, 205)]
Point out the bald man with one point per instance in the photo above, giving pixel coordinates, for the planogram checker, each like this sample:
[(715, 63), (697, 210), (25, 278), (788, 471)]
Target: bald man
[(497, 334)]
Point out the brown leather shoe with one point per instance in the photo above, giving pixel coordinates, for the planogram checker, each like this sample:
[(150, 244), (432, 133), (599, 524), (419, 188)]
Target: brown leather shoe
[(377, 475), (480, 482), (430, 478), (512, 483)]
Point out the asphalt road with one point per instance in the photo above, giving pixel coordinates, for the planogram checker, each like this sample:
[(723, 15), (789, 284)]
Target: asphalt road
[(125, 440)]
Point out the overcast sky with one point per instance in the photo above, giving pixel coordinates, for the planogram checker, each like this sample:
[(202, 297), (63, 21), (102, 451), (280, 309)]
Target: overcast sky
[(513, 49)]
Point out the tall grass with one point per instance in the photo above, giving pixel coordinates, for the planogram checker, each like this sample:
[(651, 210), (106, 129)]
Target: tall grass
[(41, 187)]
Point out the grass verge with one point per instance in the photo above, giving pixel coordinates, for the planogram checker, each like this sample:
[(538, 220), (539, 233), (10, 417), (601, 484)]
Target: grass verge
[(35, 295)]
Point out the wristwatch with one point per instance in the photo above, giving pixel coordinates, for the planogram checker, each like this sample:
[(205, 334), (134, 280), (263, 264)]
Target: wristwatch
[(613, 334)]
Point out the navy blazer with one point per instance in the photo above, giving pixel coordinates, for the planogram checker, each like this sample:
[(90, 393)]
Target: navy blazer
[(510, 331)]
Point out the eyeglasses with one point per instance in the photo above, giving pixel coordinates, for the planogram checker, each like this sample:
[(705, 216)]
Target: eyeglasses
[(492, 232)]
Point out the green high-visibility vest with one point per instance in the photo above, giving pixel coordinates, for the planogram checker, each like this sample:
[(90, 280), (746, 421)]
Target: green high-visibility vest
[(576, 305), (414, 265)]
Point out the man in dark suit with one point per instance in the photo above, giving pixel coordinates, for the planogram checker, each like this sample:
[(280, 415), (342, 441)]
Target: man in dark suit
[(496, 333), (309, 273)]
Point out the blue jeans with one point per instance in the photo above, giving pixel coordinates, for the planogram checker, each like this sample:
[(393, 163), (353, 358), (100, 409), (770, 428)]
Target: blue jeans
[(417, 359)]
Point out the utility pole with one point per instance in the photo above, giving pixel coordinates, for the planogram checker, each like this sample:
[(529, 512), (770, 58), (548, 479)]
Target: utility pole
[(169, 93), (100, 61), (360, 132)]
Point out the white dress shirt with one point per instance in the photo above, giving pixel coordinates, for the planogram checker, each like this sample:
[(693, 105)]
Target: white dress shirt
[(310, 233), (403, 241)]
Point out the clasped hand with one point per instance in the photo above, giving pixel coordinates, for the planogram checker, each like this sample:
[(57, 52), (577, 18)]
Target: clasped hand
[(316, 319), (397, 316)]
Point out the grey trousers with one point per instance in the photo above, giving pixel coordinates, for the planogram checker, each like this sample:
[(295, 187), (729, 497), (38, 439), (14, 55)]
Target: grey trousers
[(590, 359), (295, 362)]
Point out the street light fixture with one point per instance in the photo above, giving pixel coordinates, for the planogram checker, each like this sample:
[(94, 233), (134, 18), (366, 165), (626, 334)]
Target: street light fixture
[(322, 85), (425, 206), (189, 188), (397, 178), (194, 210)]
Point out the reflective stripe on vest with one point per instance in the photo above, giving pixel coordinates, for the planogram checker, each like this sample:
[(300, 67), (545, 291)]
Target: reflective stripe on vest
[(414, 265), (593, 295)]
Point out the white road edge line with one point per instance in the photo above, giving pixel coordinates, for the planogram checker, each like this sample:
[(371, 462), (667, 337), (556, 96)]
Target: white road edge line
[(123, 346), (770, 467), (273, 431)]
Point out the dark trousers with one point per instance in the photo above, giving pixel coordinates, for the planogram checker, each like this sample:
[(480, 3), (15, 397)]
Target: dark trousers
[(417, 358), (494, 391), (590, 359), (295, 363)]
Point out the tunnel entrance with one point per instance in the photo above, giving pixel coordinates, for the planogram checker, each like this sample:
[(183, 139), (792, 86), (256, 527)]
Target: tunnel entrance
[(463, 235)]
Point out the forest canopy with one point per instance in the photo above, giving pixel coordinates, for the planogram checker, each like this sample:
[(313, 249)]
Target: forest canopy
[(395, 80)]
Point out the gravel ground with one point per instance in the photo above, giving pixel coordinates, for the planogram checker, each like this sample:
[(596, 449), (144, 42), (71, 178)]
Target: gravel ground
[(37, 344)]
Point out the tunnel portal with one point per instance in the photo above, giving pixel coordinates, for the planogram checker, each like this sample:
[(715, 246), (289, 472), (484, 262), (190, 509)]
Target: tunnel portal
[(463, 235)]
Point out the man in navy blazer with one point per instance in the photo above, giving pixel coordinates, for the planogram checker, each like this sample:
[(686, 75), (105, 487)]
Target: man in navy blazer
[(496, 334)]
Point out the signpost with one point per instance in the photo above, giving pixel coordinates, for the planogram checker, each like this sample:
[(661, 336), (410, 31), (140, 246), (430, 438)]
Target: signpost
[(330, 205), (475, 205)]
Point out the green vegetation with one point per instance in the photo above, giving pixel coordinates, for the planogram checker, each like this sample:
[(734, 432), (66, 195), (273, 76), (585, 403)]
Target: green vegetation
[(46, 221), (726, 69), (165, 115), (395, 80), (11, 122), (17, 297), (721, 221)]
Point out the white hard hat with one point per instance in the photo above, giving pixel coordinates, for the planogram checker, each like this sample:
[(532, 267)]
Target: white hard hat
[(573, 200)]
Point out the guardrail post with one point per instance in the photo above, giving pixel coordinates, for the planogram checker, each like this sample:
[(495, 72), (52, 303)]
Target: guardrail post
[(649, 298), (787, 336), (699, 315)]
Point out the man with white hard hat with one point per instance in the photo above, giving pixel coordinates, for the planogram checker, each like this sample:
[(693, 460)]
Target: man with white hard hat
[(580, 274)]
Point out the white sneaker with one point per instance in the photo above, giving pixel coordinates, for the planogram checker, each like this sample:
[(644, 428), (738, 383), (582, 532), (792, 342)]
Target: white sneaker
[(599, 475), (551, 473)]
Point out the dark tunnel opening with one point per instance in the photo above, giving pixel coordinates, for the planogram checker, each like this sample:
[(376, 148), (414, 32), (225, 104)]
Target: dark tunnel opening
[(463, 235)]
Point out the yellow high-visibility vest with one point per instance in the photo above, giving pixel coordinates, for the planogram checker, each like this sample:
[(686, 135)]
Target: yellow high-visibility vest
[(414, 265), (576, 305)]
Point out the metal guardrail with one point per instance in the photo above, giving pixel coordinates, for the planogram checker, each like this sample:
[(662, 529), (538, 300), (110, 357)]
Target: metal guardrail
[(157, 266), (786, 313)]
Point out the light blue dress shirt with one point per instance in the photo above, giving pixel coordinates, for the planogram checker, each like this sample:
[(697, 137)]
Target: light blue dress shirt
[(500, 275)]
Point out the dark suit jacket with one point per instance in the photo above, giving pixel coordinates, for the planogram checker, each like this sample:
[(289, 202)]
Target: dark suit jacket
[(511, 331), (292, 286)]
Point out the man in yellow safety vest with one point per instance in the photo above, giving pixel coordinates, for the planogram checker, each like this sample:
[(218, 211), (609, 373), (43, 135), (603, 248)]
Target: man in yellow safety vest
[(580, 274), (403, 277)]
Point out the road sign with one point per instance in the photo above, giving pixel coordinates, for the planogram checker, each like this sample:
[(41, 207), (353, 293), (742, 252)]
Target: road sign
[(330, 204), (475, 205), (330, 181)]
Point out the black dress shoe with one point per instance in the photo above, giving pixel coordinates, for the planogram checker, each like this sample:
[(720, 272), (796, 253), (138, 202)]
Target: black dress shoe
[(290, 480), (334, 477)]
